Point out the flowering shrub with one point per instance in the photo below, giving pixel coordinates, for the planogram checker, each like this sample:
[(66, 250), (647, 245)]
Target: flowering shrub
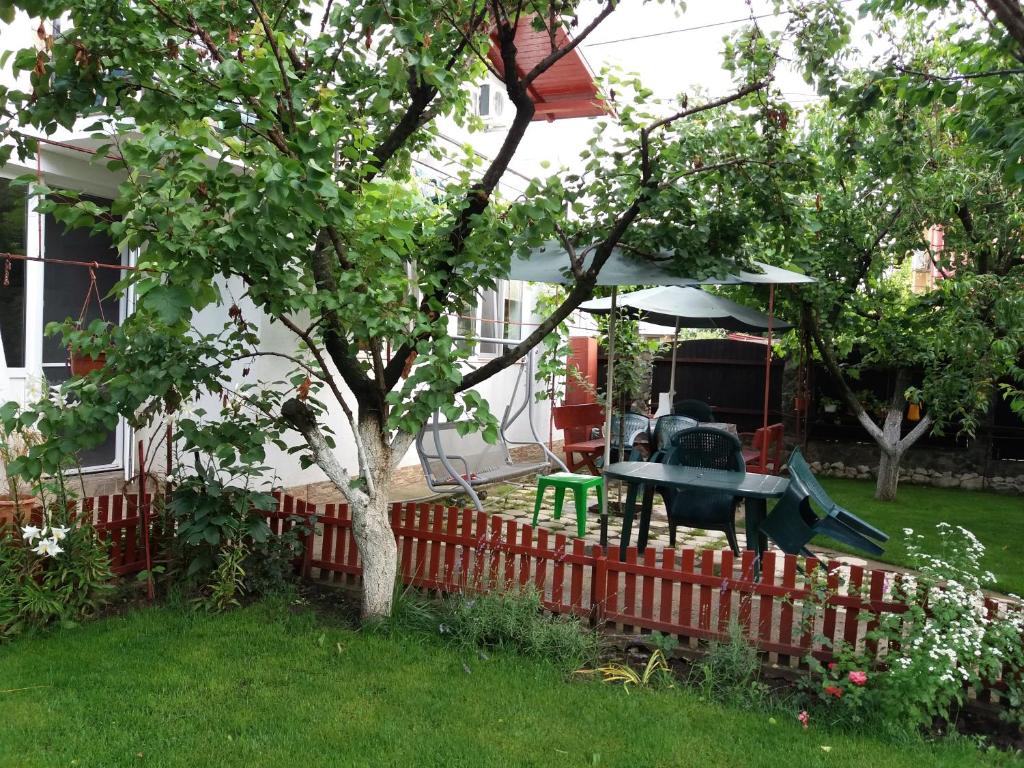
[(945, 642), (54, 572), (952, 642)]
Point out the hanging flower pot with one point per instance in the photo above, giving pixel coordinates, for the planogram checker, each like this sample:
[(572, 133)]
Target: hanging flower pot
[(82, 364), (913, 412), (800, 403)]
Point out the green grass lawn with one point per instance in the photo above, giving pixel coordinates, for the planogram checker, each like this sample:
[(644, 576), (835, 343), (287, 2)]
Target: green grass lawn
[(997, 521), (266, 686)]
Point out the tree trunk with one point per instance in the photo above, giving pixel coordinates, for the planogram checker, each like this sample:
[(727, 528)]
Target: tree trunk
[(888, 476), (379, 553), (371, 524)]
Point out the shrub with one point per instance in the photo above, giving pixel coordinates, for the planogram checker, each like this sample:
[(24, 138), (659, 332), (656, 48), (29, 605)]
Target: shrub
[(517, 621), (224, 542), (944, 643), (730, 673)]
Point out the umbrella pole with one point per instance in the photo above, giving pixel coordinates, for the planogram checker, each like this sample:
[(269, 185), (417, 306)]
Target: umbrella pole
[(608, 417), (672, 374), (768, 356)]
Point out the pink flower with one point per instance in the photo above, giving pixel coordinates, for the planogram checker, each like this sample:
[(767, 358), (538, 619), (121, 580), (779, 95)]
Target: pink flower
[(831, 690), (858, 678), (804, 719), (831, 665)]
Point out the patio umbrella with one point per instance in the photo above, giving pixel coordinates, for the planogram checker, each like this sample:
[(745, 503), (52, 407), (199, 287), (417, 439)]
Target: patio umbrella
[(551, 263), (686, 307)]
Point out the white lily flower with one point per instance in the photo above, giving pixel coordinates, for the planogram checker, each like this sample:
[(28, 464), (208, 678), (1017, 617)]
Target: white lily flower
[(48, 548), (30, 533), (59, 532)]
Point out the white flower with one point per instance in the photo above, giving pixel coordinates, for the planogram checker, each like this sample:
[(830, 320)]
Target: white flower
[(30, 533), (58, 532), (48, 548)]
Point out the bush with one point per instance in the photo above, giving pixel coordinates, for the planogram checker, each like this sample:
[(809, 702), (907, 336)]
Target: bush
[(730, 673), (517, 621), (224, 542), (56, 572), (946, 643), (513, 621)]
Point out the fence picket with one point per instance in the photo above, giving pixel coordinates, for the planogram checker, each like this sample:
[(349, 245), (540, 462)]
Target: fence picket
[(668, 563), (725, 591), (686, 590), (707, 568), (766, 607)]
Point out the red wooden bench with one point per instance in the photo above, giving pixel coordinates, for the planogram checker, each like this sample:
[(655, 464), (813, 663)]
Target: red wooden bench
[(764, 455), (577, 422)]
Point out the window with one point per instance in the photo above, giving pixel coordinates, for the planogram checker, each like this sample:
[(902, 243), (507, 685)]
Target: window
[(483, 100), (13, 218), (497, 315)]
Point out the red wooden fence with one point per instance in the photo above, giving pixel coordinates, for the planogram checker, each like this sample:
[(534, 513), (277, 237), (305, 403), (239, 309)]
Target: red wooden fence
[(798, 607)]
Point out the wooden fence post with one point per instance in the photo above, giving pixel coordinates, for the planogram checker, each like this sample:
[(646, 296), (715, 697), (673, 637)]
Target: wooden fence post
[(598, 583)]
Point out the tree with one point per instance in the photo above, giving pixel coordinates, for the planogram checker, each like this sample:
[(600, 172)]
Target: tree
[(887, 172), (274, 147)]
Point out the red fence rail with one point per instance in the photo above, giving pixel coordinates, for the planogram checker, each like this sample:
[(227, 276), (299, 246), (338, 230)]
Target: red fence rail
[(798, 607)]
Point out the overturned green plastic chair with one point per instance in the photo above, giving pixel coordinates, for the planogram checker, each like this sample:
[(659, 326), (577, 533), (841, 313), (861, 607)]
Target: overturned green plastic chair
[(792, 524), (800, 469)]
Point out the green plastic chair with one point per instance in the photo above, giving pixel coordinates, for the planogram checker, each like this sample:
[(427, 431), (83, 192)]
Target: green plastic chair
[(632, 426), (665, 428), (792, 524), (800, 469), (709, 448), (580, 485), (697, 410)]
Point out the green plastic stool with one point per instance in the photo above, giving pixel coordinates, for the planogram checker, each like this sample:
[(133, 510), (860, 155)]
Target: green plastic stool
[(580, 484)]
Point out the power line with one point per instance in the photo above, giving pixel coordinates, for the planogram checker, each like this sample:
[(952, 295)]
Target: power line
[(686, 29), (709, 25)]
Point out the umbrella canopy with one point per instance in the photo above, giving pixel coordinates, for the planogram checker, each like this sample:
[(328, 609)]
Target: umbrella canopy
[(688, 308), (551, 264)]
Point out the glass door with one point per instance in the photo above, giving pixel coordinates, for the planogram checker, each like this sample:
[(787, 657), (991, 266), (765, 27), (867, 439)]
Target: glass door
[(65, 292)]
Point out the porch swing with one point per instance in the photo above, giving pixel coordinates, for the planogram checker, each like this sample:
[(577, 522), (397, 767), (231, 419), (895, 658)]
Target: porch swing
[(454, 462)]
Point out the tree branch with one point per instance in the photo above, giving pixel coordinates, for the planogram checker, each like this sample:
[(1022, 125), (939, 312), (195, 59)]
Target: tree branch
[(302, 418), (828, 356), (556, 55)]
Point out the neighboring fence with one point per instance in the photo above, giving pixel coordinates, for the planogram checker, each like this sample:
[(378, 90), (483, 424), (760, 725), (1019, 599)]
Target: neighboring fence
[(794, 610)]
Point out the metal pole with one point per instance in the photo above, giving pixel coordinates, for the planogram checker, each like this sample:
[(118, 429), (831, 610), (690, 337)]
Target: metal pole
[(768, 355), (672, 375), (608, 416)]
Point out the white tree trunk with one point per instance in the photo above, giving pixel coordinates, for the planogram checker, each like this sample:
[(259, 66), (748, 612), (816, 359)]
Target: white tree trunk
[(888, 476), (371, 525), (379, 552)]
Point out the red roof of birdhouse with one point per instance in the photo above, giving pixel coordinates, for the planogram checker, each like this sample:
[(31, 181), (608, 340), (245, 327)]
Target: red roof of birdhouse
[(567, 89)]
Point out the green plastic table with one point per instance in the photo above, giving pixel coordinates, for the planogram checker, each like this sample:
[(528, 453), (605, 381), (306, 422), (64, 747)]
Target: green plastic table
[(753, 488), (580, 485)]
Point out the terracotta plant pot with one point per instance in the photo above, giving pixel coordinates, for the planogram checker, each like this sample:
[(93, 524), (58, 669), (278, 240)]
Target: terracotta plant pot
[(800, 404), (913, 412), (82, 364), (12, 513)]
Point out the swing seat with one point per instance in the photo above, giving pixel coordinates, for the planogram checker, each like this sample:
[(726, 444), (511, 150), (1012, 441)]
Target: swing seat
[(475, 461)]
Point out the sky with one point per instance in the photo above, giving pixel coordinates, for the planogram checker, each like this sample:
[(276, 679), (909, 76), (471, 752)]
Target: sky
[(672, 51)]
